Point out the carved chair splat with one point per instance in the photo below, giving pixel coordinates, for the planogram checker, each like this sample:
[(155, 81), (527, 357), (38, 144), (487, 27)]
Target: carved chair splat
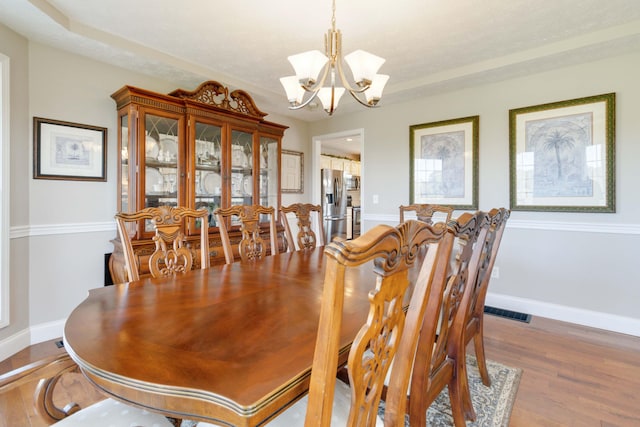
[(306, 237), (251, 245), (425, 212), (171, 254)]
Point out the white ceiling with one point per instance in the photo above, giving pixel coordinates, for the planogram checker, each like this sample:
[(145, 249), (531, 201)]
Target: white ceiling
[(430, 45)]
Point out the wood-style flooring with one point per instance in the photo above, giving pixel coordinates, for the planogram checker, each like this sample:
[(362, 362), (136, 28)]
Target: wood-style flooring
[(573, 376)]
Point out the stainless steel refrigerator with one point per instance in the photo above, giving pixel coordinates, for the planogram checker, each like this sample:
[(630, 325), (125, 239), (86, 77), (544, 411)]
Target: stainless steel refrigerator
[(334, 204)]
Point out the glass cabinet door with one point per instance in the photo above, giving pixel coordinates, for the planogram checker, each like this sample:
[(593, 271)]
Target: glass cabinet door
[(269, 171), (207, 153), (124, 164), (241, 168), (161, 153)]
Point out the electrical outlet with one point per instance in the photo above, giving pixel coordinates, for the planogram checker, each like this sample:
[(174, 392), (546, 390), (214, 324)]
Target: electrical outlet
[(376, 199), (495, 273)]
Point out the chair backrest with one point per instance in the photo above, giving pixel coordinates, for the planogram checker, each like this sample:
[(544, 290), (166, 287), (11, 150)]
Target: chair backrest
[(436, 360), (251, 245), (395, 251), (306, 238), (425, 212), (171, 254), (497, 223)]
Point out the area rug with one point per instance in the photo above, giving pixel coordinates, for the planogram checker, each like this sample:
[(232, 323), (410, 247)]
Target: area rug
[(492, 404)]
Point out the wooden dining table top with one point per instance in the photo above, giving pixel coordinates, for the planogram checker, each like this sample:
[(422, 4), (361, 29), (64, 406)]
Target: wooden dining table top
[(231, 344)]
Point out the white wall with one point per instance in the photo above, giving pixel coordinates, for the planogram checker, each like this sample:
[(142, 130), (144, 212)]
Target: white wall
[(546, 267)]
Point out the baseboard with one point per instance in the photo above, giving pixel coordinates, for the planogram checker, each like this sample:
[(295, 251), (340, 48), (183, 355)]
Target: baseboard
[(33, 335), (47, 331), (14, 343), (594, 319)]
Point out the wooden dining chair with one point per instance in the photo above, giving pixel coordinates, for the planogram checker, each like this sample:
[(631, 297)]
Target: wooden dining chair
[(475, 313), (251, 245), (171, 255), (425, 212), (440, 359), (393, 251), (306, 238), (48, 372)]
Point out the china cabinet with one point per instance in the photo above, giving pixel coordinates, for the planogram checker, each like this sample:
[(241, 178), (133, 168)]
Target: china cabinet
[(206, 148)]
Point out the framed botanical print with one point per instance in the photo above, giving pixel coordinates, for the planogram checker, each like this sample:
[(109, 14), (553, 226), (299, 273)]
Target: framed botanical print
[(444, 163), (562, 155), (69, 151)]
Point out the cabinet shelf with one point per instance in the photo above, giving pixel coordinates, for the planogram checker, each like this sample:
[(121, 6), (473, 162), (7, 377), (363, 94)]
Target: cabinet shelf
[(152, 163)]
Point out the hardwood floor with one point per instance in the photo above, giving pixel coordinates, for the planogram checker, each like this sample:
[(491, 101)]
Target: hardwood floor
[(573, 375)]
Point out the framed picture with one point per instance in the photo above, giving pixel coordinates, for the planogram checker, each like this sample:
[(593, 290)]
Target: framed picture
[(562, 155), (444, 163), (70, 151), (292, 178)]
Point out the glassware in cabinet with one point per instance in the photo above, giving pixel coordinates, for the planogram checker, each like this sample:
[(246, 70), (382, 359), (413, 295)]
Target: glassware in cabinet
[(269, 175), (241, 167), (205, 156), (161, 154)]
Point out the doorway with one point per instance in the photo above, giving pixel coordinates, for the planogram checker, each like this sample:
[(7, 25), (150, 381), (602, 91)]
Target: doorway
[(347, 144)]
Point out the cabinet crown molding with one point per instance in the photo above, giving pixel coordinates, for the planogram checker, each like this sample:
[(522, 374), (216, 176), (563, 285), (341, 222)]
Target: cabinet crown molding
[(216, 94)]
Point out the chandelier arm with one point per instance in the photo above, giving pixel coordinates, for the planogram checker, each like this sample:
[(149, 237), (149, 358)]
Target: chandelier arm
[(308, 101), (357, 98), (332, 108), (319, 83), (345, 82)]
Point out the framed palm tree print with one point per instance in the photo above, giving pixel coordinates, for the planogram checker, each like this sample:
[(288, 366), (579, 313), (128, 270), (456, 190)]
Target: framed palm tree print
[(444, 163), (562, 156)]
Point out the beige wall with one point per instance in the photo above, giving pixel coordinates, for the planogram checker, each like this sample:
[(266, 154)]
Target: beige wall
[(16, 48), (574, 266)]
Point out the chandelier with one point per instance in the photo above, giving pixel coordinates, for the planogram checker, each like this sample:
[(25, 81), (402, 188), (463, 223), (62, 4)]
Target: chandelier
[(309, 65)]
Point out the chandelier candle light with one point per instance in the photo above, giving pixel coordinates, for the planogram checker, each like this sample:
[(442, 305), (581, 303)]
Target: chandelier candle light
[(309, 65)]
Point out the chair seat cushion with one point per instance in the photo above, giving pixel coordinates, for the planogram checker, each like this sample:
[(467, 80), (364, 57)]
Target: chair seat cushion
[(111, 413)]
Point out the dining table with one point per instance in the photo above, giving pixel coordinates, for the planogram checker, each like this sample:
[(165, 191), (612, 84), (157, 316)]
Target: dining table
[(232, 344)]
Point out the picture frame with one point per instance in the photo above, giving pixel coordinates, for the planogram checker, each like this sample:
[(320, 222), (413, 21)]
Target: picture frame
[(444, 163), (292, 172), (562, 155), (69, 151)]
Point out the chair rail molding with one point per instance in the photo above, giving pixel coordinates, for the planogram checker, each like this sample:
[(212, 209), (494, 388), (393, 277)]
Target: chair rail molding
[(22, 231), (585, 227)]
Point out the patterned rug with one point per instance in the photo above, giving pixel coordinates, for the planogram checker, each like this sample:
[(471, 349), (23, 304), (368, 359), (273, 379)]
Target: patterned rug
[(492, 404)]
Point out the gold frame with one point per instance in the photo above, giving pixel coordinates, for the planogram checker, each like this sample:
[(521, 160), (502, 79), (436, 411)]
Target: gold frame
[(460, 138), (562, 156), (292, 176)]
